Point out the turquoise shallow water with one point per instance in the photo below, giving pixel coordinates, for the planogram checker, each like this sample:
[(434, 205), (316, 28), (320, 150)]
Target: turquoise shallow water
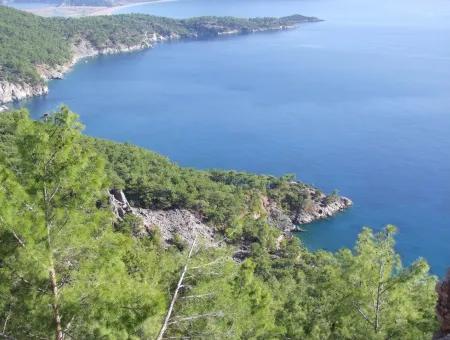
[(360, 102)]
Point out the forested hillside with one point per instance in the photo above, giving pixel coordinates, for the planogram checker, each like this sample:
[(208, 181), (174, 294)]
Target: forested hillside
[(71, 269), (30, 44)]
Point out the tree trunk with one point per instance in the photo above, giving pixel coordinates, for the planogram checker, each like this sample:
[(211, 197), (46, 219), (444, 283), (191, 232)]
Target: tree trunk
[(378, 303), (52, 273), (55, 305)]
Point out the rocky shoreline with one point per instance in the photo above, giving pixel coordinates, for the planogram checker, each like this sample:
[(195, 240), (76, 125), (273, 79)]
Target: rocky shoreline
[(11, 92), (82, 48), (185, 225), (322, 207)]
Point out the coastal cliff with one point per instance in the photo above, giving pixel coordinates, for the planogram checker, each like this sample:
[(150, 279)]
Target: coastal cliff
[(10, 91), (46, 48)]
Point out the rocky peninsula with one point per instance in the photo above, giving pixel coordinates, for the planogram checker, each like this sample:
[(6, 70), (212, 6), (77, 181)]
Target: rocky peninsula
[(186, 225)]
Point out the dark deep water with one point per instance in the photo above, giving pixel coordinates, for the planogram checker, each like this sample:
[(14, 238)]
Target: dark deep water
[(360, 102)]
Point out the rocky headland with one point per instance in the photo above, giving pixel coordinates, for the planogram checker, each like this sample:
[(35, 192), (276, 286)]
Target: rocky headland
[(321, 207), (186, 225)]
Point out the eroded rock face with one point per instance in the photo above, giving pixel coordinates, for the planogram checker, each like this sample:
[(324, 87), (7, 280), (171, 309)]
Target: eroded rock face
[(443, 308), (278, 218), (171, 224), (84, 49), (10, 92), (177, 223)]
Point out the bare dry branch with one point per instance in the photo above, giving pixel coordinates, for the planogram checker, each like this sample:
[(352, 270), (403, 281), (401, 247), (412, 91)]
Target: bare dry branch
[(220, 259), (175, 294), (218, 314), (200, 296), (360, 311), (22, 244)]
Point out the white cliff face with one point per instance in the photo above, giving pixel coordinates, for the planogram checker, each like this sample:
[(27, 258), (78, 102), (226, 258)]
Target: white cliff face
[(84, 49), (10, 92), (176, 223), (170, 223), (323, 209)]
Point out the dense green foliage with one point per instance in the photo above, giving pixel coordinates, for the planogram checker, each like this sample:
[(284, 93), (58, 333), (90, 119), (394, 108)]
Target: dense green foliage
[(27, 41), (224, 198), (57, 232)]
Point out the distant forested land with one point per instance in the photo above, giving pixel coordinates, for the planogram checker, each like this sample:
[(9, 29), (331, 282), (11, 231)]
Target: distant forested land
[(27, 40), (70, 269)]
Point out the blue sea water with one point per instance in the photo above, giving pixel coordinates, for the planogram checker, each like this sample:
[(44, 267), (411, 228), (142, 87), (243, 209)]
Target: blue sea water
[(359, 103)]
